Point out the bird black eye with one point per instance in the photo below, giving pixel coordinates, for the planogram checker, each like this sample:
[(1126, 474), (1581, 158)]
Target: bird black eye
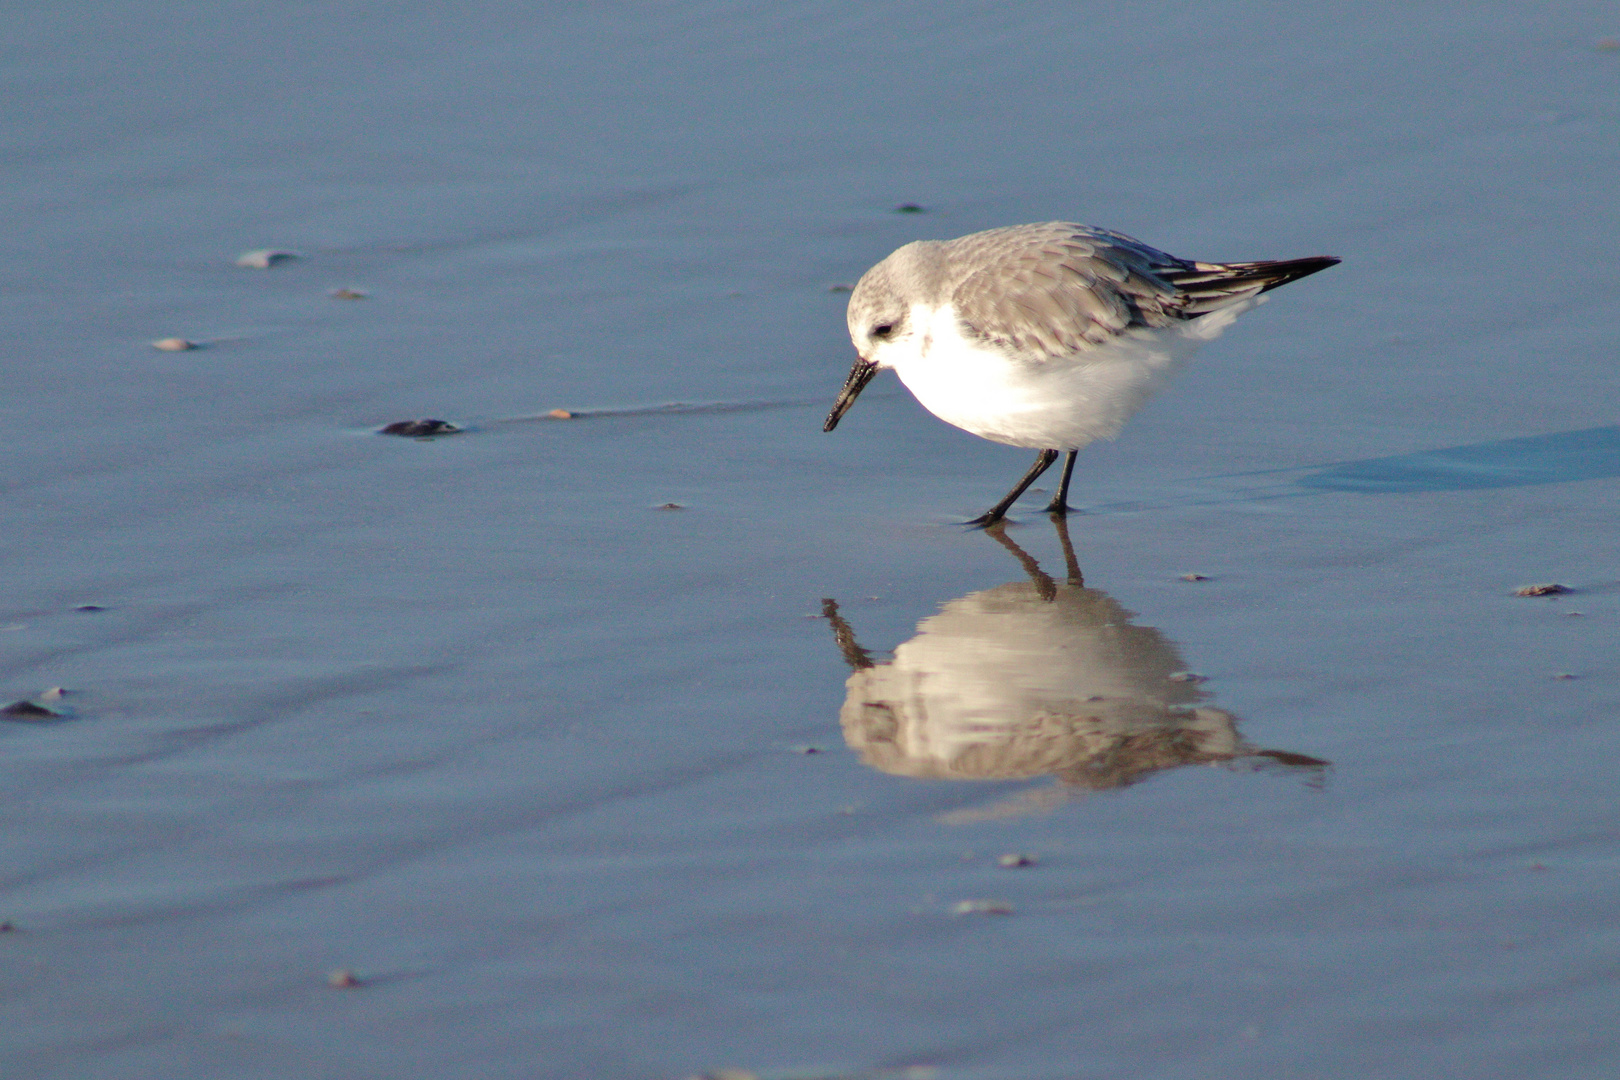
[(883, 330)]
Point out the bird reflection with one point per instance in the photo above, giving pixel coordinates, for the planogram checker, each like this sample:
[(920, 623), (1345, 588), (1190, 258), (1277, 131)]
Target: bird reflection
[(1035, 678)]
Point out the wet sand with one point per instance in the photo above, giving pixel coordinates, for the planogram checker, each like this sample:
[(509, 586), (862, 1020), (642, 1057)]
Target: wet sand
[(671, 735)]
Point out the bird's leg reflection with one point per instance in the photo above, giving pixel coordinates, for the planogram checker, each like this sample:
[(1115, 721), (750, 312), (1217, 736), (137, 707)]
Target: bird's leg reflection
[(1042, 580), (856, 657), (1070, 562), (1044, 585)]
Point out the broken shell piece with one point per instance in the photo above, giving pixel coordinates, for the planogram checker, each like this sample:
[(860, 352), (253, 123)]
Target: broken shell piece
[(347, 294), (1194, 577), (174, 344), (28, 710), (264, 258), (669, 506), (559, 414), (419, 429), (1187, 677), (1014, 860), (981, 907), (1549, 589), (344, 979)]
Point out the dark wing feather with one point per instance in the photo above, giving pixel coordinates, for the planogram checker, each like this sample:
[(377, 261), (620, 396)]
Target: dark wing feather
[(1208, 286)]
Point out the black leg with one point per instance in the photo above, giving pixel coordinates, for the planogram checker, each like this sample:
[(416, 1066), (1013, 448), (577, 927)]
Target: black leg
[(1060, 502), (999, 511)]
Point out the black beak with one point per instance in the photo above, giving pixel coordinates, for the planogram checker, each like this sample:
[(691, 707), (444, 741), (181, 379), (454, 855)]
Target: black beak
[(859, 376)]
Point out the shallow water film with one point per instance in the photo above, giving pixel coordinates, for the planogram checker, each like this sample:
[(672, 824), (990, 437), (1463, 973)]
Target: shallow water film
[(438, 639)]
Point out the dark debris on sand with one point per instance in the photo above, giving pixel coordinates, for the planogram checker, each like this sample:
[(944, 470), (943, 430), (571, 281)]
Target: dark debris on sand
[(419, 429), (29, 710)]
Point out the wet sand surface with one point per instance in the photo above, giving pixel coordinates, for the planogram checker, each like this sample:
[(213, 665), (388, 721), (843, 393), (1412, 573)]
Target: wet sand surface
[(670, 735)]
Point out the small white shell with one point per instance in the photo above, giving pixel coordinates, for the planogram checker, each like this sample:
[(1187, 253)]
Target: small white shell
[(173, 344), (981, 907), (264, 258)]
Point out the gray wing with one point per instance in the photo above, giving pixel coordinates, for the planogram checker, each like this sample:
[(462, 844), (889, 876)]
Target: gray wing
[(1057, 289)]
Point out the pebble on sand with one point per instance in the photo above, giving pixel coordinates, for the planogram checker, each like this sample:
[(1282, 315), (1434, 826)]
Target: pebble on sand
[(669, 506), (908, 208), (174, 344), (1014, 860), (419, 429), (347, 294), (264, 258), (1196, 577), (1549, 589), (344, 979)]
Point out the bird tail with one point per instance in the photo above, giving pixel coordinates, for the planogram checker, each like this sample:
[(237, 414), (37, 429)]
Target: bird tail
[(1210, 286)]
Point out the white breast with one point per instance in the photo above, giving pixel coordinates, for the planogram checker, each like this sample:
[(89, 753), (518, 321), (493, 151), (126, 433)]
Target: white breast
[(1059, 404)]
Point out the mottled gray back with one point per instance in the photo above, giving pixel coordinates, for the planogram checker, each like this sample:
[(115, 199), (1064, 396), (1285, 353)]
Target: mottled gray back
[(1058, 288)]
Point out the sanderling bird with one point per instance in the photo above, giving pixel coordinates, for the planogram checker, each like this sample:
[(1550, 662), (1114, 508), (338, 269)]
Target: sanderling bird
[(1045, 336)]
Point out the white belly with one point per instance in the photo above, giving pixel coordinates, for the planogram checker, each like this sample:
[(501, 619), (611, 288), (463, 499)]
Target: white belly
[(1057, 404)]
